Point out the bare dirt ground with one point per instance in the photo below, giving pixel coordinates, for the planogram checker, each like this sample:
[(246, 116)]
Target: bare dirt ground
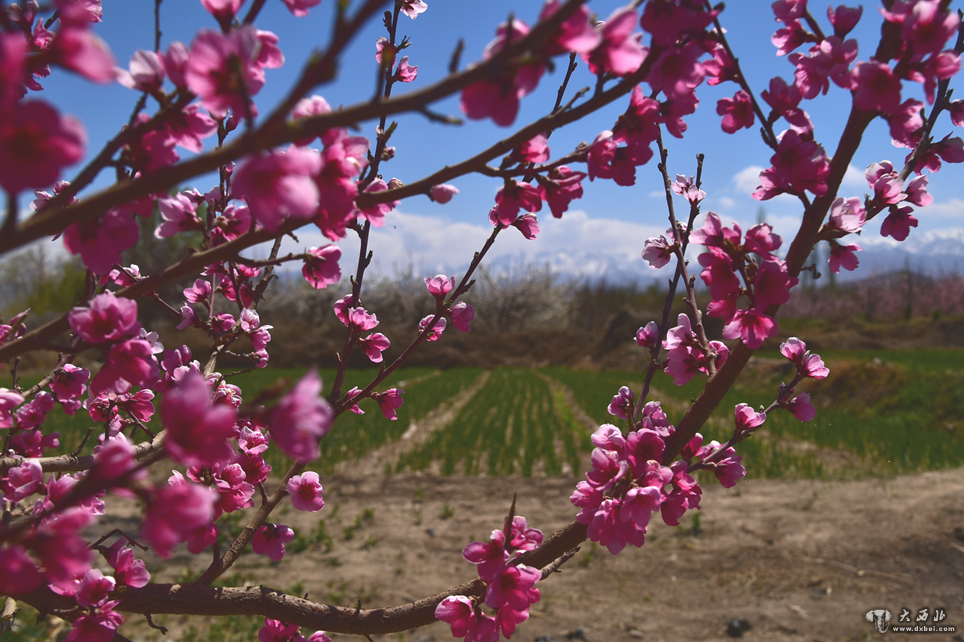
[(796, 560)]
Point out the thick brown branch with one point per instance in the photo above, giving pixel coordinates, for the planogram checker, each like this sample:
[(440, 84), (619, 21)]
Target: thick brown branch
[(199, 599)]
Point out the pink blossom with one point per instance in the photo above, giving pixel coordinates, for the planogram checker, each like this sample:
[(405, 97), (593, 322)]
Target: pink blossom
[(279, 185), (658, 252), (305, 490), (923, 24), (499, 98), (178, 214), (343, 158), (761, 240), (439, 285), (528, 224), (100, 625), (94, 588), (108, 318), (300, 7), (412, 8), (174, 511), (189, 127), (175, 63), (374, 345), (77, 48), (301, 419), (788, 37), (801, 408), (727, 467), (916, 191), (197, 429), (684, 495), (18, 572), (513, 197), (622, 404), (847, 215), (677, 71), (36, 143), (458, 611), (799, 164), (785, 100), (843, 256), (512, 587), (128, 570), (605, 160), (9, 400), (560, 187), (100, 242), (772, 284), (737, 112), (69, 381), (321, 269), (129, 363), (648, 337), (389, 401), (488, 557), (875, 87), (534, 150), (203, 536), (898, 223), (443, 193), (376, 213), (462, 315), (747, 419), (906, 125), (270, 540), (718, 273), (843, 19), (23, 481), (437, 329), (278, 631), (828, 60), (219, 64), (312, 106), (751, 327), (223, 9), (405, 71), (620, 52), (146, 72), (669, 22), (808, 365), (575, 33), (685, 187), (638, 127)]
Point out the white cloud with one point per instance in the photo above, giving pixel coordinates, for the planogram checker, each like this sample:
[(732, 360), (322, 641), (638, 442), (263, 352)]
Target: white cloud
[(951, 209), (748, 179), (435, 245), (854, 178), (726, 202)]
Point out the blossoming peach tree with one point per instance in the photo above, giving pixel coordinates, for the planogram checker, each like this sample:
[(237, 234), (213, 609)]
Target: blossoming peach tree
[(298, 165)]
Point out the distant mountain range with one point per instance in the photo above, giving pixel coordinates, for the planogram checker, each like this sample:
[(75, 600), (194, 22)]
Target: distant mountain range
[(934, 252)]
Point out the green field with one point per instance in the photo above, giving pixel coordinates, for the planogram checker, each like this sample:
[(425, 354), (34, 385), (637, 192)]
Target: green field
[(879, 413)]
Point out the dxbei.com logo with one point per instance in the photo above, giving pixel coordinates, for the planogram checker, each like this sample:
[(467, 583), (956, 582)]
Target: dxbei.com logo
[(880, 618), (926, 621)]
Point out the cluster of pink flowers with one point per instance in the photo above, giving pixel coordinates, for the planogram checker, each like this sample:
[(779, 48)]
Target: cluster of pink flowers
[(628, 483), (808, 366), (510, 585), (684, 354), (800, 163), (765, 281)]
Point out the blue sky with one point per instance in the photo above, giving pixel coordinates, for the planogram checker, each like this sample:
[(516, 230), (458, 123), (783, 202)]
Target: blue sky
[(431, 236)]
